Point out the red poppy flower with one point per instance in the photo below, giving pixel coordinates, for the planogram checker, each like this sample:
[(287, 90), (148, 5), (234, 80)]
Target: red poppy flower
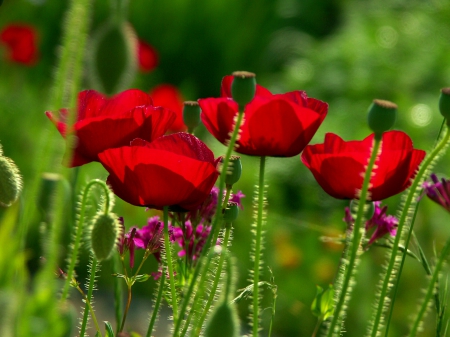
[(339, 166), (169, 96), (104, 123), (177, 170), (21, 42), (274, 125), (148, 56)]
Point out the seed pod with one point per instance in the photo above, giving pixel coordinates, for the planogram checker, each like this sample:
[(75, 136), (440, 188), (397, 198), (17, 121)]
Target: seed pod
[(243, 88), (381, 117), (104, 235), (10, 181)]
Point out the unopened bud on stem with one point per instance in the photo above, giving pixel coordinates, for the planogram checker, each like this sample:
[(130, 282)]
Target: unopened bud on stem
[(243, 88)]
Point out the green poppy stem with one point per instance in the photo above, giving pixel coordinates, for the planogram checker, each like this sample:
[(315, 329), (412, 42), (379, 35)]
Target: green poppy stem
[(354, 247), (170, 264), (258, 246)]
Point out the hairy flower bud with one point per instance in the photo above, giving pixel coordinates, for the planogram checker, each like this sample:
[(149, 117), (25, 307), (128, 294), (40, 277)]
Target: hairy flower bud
[(113, 58), (243, 88), (381, 117), (10, 181), (191, 115), (223, 322), (104, 235), (444, 103)]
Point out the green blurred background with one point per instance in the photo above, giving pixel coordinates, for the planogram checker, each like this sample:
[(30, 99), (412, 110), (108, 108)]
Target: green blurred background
[(343, 52)]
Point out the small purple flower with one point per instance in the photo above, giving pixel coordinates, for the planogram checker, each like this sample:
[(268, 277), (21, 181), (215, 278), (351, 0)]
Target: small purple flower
[(236, 197), (191, 241), (149, 236), (438, 191), (384, 223), (126, 241)]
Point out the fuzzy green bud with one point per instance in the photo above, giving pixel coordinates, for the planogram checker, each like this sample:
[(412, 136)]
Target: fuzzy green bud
[(191, 115), (243, 88), (444, 104), (112, 58), (381, 117), (10, 181), (234, 170), (231, 212), (323, 304), (104, 235), (223, 321)]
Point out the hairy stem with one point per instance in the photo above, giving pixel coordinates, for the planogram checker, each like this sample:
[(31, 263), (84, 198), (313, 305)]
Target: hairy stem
[(410, 199), (355, 244), (258, 246), (170, 264)]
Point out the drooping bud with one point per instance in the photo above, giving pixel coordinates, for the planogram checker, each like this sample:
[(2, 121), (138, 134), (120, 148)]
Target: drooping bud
[(444, 103), (381, 117), (191, 115), (105, 232), (243, 88), (10, 181), (234, 170), (113, 57)]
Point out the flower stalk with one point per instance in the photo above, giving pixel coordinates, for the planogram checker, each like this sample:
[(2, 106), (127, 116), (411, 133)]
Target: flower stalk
[(344, 292)]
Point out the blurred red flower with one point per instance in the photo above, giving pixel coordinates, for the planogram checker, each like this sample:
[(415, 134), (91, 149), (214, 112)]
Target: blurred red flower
[(339, 166), (104, 123), (21, 41), (177, 170), (148, 56), (274, 125), (169, 96)]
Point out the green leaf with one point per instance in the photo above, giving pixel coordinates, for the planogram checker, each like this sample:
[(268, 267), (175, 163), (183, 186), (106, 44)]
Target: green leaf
[(109, 329), (142, 278), (323, 304)]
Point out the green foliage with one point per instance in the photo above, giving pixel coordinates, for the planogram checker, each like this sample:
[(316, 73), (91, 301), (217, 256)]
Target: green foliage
[(323, 304)]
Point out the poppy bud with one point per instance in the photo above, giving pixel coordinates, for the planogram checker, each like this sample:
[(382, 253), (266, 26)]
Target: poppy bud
[(113, 58), (234, 170), (231, 212), (191, 115), (223, 321), (10, 181), (243, 88), (381, 117), (444, 103), (104, 235)]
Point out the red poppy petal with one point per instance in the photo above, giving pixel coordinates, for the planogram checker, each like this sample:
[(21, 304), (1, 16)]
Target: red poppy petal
[(184, 144), (168, 96), (125, 101), (218, 116), (148, 56), (90, 103)]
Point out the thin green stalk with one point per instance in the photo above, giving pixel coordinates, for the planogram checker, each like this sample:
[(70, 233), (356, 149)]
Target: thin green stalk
[(215, 224), (217, 277), (118, 292), (258, 244), (431, 289), (127, 307), (390, 270), (156, 307), (88, 300), (169, 264), (79, 232), (423, 258), (204, 275), (355, 244)]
